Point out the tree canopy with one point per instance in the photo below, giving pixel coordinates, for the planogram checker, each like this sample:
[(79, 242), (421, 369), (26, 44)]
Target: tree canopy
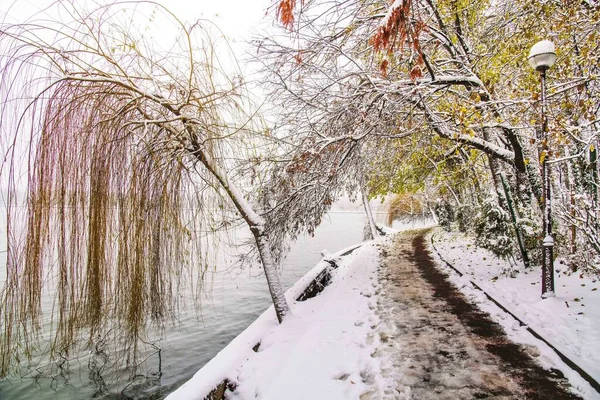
[(441, 95)]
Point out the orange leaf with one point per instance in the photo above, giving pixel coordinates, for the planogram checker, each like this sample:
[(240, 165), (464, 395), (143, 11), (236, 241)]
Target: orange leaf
[(285, 13), (415, 73), (383, 68)]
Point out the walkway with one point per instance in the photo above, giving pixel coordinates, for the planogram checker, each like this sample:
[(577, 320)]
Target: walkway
[(440, 346)]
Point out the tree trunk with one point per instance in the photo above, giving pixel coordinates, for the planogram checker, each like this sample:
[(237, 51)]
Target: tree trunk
[(277, 296), (571, 187), (513, 215), (369, 213), (493, 166), (257, 227), (596, 189)]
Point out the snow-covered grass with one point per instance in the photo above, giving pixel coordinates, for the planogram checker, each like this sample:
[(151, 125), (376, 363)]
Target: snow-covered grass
[(322, 350), (570, 321)]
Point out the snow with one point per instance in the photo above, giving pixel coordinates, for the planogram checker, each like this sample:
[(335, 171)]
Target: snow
[(543, 48), (332, 346), (396, 4), (461, 79), (324, 347), (570, 320)]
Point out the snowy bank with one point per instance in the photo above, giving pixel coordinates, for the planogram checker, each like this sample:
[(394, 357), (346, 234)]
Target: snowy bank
[(322, 348), (570, 322)]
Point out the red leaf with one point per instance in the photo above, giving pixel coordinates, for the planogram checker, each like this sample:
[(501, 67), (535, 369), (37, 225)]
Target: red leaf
[(415, 73), (383, 68), (285, 13)]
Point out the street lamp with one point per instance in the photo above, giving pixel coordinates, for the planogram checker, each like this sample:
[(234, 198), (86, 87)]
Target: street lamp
[(541, 57)]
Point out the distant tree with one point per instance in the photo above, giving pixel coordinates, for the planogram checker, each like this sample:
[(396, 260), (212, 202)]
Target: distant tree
[(129, 151)]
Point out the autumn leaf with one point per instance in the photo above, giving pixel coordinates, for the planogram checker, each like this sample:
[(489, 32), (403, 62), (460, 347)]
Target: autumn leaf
[(395, 30), (285, 13), (383, 68), (415, 73)]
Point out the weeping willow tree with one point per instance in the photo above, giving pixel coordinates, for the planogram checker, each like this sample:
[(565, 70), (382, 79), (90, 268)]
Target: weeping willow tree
[(126, 144)]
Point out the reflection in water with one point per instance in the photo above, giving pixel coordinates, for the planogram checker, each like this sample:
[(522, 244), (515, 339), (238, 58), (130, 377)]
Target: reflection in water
[(147, 385), (139, 384), (61, 379), (96, 363)]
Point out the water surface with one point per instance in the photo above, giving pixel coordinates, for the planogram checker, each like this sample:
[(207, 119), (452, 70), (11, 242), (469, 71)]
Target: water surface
[(237, 298)]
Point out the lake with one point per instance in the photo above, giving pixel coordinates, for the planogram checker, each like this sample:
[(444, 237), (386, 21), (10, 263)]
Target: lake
[(237, 298)]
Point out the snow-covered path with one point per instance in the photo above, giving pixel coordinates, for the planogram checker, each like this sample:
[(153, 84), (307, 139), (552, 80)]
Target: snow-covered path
[(437, 345)]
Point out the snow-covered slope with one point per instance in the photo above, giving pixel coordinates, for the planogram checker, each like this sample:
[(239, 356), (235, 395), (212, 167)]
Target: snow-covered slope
[(323, 350)]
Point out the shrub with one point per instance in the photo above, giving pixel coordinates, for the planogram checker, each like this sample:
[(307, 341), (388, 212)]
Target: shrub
[(493, 228), (444, 213), (464, 217), (531, 232)]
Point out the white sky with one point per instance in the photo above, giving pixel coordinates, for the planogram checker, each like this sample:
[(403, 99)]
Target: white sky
[(238, 20), (235, 18)]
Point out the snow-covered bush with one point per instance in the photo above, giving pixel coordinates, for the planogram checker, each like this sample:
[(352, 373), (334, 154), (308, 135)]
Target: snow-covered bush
[(583, 217), (445, 214), (493, 230), (585, 259), (464, 217), (531, 232)]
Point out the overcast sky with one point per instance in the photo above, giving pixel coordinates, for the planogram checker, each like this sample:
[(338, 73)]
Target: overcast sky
[(236, 18)]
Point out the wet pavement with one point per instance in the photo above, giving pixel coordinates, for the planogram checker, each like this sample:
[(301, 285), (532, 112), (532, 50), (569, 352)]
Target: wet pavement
[(437, 345)]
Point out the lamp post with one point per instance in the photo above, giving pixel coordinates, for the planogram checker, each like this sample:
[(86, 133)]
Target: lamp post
[(541, 57)]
